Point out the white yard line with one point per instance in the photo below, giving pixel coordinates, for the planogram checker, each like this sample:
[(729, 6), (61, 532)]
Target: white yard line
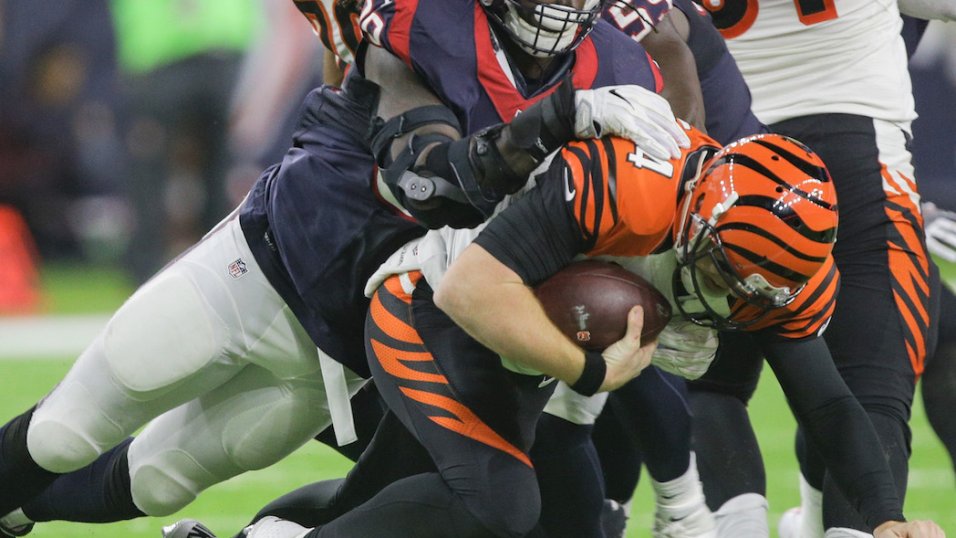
[(51, 337)]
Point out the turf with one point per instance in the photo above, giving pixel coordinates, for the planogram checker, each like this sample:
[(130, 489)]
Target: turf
[(227, 507)]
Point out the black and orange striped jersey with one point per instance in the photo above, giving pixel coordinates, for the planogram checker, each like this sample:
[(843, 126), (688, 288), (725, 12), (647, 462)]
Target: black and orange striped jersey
[(336, 24), (605, 197)]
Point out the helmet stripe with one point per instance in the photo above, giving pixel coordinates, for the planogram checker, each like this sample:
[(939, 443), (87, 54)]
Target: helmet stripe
[(764, 263), (751, 163), (770, 237), (798, 162), (788, 216)]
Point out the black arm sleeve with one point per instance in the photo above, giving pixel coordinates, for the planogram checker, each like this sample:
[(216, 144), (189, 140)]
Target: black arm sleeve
[(836, 424), (538, 234)]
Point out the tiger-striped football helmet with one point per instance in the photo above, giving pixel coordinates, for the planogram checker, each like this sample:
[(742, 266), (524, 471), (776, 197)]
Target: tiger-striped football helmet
[(764, 213)]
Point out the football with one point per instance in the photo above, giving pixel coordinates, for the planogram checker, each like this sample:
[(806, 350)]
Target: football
[(589, 302)]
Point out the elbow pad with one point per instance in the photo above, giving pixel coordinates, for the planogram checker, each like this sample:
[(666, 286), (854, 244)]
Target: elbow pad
[(497, 160), (434, 199), (461, 181)]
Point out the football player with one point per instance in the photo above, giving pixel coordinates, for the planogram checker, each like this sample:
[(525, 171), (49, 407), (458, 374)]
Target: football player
[(739, 237), (246, 346), (834, 75), (629, 430), (555, 442)]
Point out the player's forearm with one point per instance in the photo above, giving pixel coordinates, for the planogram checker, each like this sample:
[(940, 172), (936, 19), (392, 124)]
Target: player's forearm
[(491, 303), (837, 426), (678, 69)]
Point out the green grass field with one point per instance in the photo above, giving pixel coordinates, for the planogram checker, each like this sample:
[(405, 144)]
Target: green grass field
[(226, 507)]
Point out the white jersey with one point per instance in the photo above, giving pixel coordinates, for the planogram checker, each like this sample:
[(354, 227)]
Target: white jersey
[(836, 56)]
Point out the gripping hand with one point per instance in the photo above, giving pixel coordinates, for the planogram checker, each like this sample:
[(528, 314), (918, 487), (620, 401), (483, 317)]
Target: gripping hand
[(685, 349), (627, 357), (631, 112)]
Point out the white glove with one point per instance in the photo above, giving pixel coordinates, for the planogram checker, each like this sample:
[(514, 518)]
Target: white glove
[(631, 112), (273, 527), (940, 231), (685, 349)]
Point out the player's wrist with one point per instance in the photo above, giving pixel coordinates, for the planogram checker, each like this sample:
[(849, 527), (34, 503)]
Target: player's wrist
[(593, 374)]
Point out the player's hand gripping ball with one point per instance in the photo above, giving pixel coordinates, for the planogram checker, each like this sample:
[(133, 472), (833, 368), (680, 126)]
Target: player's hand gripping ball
[(589, 301)]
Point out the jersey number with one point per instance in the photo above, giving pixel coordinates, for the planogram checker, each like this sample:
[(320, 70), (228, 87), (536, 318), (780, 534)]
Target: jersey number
[(641, 160), (734, 17)]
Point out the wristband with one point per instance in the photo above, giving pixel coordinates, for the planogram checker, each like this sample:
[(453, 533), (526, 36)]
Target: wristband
[(593, 375)]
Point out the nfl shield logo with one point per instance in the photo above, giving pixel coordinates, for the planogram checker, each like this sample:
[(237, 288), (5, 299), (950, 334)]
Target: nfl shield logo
[(237, 268)]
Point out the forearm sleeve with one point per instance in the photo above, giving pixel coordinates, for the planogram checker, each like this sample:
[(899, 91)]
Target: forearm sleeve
[(836, 425)]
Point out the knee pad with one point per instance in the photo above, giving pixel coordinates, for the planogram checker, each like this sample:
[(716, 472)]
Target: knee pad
[(59, 446), (150, 344), (164, 487), (744, 516), (260, 436)]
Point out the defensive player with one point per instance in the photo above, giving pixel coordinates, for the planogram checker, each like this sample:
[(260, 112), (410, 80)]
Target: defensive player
[(228, 352), (756, 220), (834, 75)]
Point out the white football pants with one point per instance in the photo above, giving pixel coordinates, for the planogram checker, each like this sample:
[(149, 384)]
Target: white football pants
[(207, 356)]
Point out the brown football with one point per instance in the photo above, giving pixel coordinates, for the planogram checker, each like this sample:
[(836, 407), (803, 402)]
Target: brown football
[(589, 301)]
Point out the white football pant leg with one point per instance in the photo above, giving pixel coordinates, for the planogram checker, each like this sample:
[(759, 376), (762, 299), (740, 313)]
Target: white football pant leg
[(250, 422), (191, 328), (174, 339)]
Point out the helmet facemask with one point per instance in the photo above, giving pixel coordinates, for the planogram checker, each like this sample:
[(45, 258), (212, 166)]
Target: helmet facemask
[(544, 30)]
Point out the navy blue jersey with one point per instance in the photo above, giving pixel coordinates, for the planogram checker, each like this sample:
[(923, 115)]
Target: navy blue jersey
[(315, 222), (450, 44)]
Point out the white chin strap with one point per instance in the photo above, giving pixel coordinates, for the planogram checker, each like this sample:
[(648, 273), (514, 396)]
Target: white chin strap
[(556, 33)]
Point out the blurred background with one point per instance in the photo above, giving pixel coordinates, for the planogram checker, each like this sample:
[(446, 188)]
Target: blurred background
[(130, 127)]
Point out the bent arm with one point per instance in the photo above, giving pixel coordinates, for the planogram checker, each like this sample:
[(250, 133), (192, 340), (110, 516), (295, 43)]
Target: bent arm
[(418, 145), (492, 304)]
